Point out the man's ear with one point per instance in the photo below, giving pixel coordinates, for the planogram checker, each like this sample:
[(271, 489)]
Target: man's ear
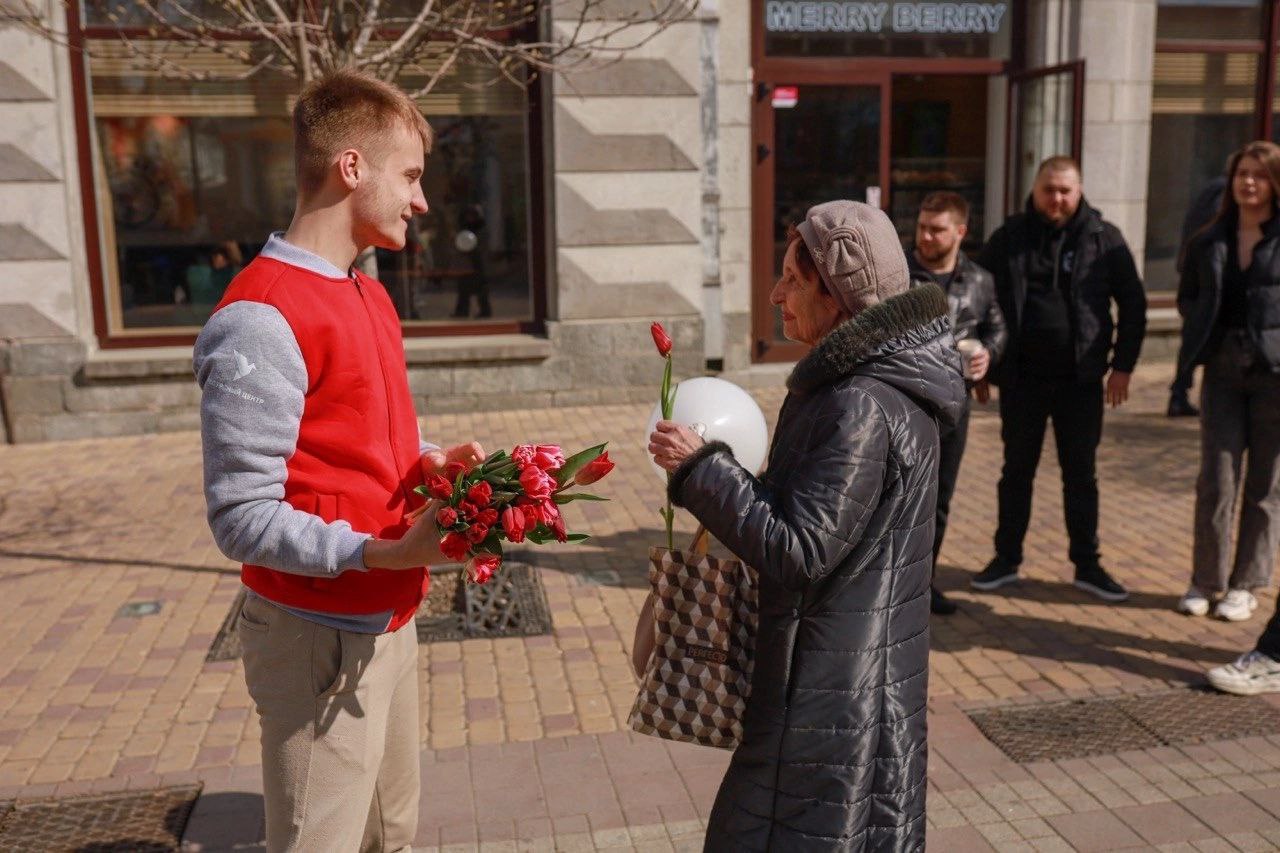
[(962, 230), (350, 168)]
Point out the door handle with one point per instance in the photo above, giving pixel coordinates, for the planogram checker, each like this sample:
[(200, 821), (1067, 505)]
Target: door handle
[(762, 153)]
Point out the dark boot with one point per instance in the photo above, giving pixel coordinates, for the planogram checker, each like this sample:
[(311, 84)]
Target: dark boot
[(1180, 406), (939, 603)]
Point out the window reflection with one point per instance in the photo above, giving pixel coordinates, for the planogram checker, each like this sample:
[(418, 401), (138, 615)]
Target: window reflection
[(190, 196), (1202, 110)]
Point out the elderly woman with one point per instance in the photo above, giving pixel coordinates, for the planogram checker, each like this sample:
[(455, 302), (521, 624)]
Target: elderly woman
[(840, 530)]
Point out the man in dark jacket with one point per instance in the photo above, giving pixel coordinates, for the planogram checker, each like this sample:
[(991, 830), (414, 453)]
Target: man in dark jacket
[(833, 753), (1058, 268), (941, 227)]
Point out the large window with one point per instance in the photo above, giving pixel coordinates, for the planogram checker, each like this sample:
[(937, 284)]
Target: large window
[(191, 178), (1208, 99)]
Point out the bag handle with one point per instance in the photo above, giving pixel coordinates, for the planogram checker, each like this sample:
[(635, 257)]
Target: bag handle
[(700, 540)]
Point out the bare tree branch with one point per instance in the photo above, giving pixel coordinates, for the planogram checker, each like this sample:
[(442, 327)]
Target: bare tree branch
[(306, 38)]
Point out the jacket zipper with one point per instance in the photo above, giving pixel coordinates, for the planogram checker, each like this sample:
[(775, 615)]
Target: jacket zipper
[(386, 385), (1068, 299)]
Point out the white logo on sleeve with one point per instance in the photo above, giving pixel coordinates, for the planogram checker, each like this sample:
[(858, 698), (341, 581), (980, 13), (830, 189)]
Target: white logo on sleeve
[(243, 366)]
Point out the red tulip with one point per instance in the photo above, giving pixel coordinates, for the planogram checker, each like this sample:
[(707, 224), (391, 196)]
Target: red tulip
[(439, 487), (513, 524), (480, 493), (455, 547), (594, 470), (482, 567), (661, 339)]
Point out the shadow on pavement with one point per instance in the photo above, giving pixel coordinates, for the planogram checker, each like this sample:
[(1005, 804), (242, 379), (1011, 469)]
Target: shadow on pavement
[(976, 625), (106, 561), (230, 820)]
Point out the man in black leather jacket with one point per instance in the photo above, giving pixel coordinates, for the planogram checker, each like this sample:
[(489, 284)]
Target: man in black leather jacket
[(941, 227), (1059, 268)]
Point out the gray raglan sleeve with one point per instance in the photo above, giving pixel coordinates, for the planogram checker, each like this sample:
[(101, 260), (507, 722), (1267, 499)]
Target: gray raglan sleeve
[(254, 380)]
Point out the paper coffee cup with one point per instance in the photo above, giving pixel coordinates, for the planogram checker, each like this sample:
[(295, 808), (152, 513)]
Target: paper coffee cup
[(968, 349)]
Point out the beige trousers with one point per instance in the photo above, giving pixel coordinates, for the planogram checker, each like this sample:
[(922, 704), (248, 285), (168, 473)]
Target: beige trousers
[(339, 714)]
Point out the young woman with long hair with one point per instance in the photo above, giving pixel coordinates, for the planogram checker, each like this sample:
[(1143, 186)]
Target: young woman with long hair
[(1229, 297)]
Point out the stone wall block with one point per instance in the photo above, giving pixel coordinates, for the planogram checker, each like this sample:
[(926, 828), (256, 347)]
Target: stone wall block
[(99, 425), (178, 421), (63, 357), (33, 395), (133, 397), (494, 379), (431, 380)]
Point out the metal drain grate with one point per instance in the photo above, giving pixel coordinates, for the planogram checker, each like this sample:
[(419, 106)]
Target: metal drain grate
[(1201, 715), (512, 604), (226, 643), (1104, 726), (134, 822)]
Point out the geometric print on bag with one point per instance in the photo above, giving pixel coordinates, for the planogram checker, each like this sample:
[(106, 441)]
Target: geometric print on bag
[(698, 680)]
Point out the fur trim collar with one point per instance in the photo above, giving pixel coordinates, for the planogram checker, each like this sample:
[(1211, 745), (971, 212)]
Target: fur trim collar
[(904, 320)]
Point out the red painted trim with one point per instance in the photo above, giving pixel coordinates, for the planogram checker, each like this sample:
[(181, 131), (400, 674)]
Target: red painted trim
[(1267, 75)]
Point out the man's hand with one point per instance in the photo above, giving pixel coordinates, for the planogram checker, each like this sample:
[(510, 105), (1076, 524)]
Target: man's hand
[(672, 443), (468, 455), (1117, 387), (979, 364), (419, 546)]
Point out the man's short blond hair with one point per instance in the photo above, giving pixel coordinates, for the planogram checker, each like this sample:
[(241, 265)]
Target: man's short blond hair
[(347, 109)]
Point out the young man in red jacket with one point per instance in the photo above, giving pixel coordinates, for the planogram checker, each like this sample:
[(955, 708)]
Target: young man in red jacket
[(311, 455)]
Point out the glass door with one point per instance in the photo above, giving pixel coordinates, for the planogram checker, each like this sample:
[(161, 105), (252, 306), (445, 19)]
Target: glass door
[(1046, 111), (814, 142)]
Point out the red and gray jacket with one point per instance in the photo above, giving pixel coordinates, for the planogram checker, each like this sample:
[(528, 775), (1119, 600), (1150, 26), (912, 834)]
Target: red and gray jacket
[(311, 442)]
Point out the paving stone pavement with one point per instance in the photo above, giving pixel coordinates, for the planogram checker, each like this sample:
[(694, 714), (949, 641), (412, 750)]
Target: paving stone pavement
[(524, 741)]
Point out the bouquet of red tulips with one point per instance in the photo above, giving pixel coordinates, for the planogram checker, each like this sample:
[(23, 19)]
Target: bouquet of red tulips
[(512, 497)]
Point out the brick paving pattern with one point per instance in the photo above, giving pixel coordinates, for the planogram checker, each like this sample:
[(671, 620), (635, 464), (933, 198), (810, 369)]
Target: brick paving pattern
[(524, 740)]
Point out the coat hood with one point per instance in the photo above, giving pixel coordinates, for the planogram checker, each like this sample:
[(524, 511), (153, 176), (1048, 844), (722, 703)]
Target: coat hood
[(904, 341)]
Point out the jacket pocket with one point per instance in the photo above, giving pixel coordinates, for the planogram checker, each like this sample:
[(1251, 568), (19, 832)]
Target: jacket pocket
[(327, 507)]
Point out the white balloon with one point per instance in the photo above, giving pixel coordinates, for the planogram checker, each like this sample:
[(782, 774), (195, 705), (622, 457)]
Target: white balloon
[(727, 412), (466, 241)]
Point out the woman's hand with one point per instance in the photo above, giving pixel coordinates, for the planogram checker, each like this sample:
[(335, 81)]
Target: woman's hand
[(672, 443)]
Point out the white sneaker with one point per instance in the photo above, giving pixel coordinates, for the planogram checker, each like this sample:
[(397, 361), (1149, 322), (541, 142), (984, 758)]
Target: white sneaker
[(1236, 606), (1250, 674), (1194, 603)]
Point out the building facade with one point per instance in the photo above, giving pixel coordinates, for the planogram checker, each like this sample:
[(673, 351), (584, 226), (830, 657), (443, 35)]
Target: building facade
[(568, 215)]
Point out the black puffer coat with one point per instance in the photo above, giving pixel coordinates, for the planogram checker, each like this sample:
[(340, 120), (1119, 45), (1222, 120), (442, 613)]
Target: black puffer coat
[(1200, 296), (840, 530), (1099, 270)]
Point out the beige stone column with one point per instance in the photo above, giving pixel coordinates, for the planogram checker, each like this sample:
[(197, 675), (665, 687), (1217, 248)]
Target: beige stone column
[(42, 259), (1116, 39)]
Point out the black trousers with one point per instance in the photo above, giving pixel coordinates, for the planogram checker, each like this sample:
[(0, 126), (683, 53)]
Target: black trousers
[(951, 451), (1269, 642), (1075, 408)]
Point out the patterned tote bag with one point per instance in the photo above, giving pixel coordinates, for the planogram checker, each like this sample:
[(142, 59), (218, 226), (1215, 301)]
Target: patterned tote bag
[(695, 684)]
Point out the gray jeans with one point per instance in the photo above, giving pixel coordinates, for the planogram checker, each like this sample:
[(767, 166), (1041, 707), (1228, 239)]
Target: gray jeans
[(1239, 427)]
